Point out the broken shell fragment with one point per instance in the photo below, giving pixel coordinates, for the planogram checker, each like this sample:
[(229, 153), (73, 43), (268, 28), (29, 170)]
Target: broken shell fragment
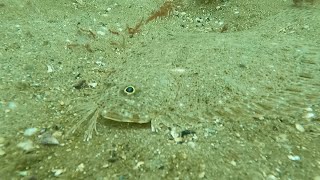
[(48, 139)]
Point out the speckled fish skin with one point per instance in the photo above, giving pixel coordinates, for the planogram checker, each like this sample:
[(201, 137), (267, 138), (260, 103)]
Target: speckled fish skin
[(154, 94), (172, 89)]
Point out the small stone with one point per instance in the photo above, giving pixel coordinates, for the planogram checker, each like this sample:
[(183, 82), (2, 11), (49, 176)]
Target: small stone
[(62, 103), (199, 20), (48, 139), (201, 175), (23, 173), (192, 144), (92, 84), (57, 134), (26, 145), (309, 115), (100, 63), (282, 138), (108, 9), (12, 105), (233, 163), (238, 135), (183, 13), (294, 157), (102, 33), (49, 69), (105, 166), (2, 152), (80, 2), (57, 172), (30, 131), (300, 128), (306, 27), (137, 166), (271, 177), (80, 167)]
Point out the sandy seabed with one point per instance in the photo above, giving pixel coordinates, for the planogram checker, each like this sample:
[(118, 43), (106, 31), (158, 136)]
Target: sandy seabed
[(232, 89)]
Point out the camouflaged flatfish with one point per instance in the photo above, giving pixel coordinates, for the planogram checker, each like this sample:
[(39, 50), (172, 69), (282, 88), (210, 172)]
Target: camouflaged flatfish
[(132, 95), (186, 80)]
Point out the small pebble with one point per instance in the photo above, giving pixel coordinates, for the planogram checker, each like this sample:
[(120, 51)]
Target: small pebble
[(80, 2), (108, 9), (300, 128), (233, 163), (26, 145), (137, 166), (92, 85), (80, 167), (100, 63), (23, 173), (102, 33), (294, 157), (105, 166), (57, 172), (12, 105), (271, 177), (49, 69), (57, 134), (2, 152), (30, 131), (192, 144), (199, 20), (202, 175), (218, 7), (48, 139), (183, 13), (309, 115)]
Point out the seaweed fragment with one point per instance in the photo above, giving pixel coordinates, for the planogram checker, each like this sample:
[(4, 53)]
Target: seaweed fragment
[(136, 29), (164, 10), (300, 2)]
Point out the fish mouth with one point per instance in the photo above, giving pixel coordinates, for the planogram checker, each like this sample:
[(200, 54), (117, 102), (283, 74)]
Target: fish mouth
[(125, 116)]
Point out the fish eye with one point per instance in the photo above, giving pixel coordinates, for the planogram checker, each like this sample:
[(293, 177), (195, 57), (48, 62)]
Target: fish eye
[(129, 90)]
